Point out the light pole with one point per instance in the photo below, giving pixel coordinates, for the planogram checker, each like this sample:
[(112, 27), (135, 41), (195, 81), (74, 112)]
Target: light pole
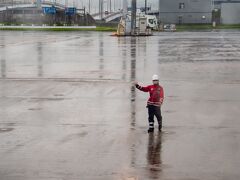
[(133, 16), (114, 5), (125, 8), (89, 6), (12, 12), (159, 7), (101, 9), (110, 6), (145, 6)]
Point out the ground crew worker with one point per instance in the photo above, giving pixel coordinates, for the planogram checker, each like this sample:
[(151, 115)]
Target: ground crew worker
[(154, 102)]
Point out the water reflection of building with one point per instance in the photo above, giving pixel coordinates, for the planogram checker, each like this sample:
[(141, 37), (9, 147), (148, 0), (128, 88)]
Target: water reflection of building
[(3, 58), (3, 64)]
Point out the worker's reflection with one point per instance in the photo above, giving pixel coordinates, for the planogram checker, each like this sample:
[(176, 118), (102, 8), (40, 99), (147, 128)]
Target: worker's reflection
[(154, 155)]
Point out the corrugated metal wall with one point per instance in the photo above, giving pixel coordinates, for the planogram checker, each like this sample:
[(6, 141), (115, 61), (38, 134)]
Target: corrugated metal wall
[(230, 13), (193, 11)]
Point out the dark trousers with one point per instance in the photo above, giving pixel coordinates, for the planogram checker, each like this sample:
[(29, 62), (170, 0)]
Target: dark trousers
[(154, 111)]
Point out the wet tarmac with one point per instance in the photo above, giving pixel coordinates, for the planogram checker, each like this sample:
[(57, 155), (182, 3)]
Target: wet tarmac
[(68, 109)]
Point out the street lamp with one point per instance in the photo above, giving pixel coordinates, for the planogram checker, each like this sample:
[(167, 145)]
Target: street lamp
[(12, 12), (110, 6), (159, 6), (133, 16), (145, 6), (89, 6)]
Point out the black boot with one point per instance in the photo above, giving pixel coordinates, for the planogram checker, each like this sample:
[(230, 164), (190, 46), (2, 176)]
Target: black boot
[(160, 125), (160, 128), (150, 130)]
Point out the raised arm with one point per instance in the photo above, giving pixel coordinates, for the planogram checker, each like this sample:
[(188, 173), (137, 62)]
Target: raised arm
[(141, 88)]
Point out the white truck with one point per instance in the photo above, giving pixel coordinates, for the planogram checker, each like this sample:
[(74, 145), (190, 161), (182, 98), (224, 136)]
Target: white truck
[(152, 22)]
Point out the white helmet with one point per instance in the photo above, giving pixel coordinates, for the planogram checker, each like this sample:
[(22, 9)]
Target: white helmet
[(155, 77)]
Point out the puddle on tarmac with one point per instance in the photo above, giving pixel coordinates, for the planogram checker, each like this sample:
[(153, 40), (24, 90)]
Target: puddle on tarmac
[(3, 130)]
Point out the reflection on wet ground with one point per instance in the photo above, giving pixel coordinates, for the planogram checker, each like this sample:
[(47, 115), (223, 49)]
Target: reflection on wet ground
[(133, 79), (5, 130), (69, 110), (154, 155)]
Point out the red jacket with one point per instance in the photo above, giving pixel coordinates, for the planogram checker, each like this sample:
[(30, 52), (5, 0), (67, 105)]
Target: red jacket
[(156, 94)]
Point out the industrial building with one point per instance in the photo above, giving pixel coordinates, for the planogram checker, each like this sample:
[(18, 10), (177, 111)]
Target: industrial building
[(218, 3), (230, 13), (227, 11), (42, 12), (186, 11)]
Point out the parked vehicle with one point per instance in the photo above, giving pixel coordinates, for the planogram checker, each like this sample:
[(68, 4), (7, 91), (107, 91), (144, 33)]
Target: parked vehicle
[(169, 27), (151, 21)]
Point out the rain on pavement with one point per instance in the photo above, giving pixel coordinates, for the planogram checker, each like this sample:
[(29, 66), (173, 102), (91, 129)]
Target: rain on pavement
[(68, 109)]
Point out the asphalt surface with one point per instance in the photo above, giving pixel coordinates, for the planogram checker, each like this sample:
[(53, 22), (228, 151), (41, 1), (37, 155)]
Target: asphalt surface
[(68, 109)]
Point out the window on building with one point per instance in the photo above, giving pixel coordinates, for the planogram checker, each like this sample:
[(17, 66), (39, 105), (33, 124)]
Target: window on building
[(181, 5)]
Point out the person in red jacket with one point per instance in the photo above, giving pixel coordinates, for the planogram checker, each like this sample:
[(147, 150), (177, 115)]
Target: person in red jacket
[(154, 102)]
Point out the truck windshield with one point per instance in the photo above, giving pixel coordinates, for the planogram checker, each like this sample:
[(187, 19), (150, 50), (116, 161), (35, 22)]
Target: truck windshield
[(150, 21)]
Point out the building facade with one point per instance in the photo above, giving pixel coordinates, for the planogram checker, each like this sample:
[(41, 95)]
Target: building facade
[(186, 11), (230, 13), (14, 2), (218, 3)]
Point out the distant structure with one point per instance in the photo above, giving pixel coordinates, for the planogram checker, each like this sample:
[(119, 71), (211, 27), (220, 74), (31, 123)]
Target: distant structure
[(14, 2), (39, 12), (125, 7), (230, 12), (186, 11), (218, 3)]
